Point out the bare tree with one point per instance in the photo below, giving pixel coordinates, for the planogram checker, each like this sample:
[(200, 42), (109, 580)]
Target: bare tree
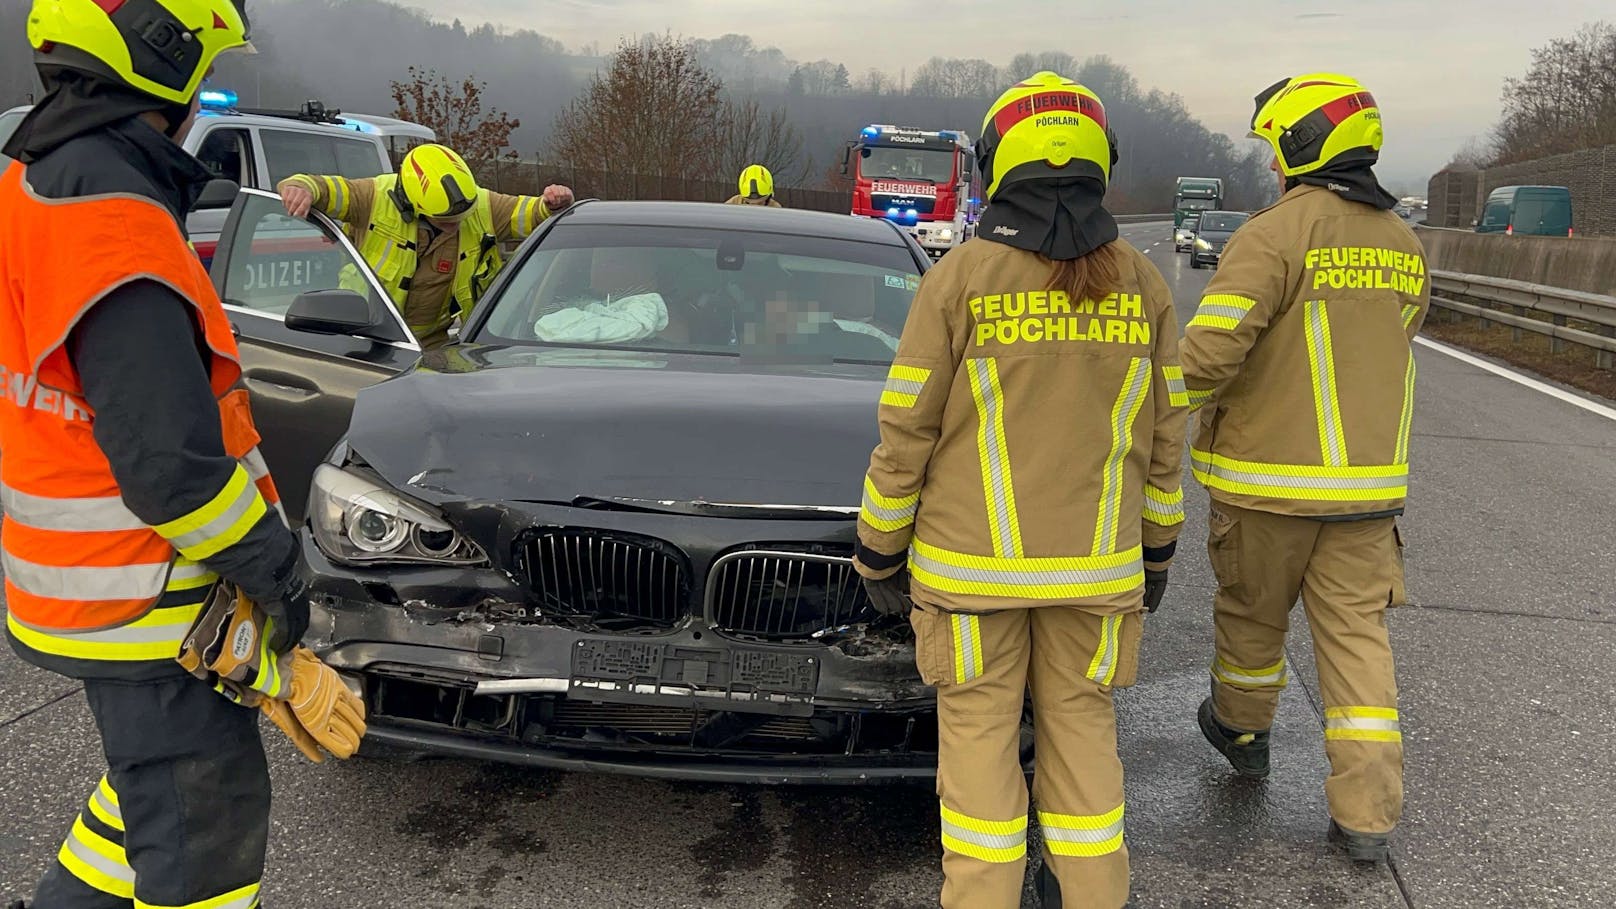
[(1027, 64), (655, 111), (1565, 101), (942, 77), (454, 112), (752, 135)]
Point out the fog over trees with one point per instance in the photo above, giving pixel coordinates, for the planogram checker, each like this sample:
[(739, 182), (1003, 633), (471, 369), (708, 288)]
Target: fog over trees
[(348, 54)]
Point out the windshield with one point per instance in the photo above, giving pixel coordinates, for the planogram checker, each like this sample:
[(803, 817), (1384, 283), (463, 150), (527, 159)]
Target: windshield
[(1191, 222), (1223, 220), (928, 165), (718, 292), (1196, 204)]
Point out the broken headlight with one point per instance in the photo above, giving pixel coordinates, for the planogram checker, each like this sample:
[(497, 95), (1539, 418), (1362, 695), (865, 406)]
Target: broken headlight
[(358, 521)]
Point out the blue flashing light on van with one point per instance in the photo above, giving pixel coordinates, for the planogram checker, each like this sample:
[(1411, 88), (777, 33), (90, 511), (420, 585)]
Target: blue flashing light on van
[(218, 99), (1537, 211)]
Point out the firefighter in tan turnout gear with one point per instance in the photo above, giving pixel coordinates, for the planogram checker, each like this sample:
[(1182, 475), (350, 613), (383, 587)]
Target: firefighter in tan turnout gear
[(1026, 495), (1300, 366)]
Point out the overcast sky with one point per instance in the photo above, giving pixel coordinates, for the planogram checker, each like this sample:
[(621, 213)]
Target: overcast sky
[(1435, 66)]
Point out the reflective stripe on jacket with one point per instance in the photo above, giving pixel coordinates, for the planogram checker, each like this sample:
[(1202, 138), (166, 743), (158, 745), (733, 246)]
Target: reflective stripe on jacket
[(1030, 444), (1299, 359), (84, 577)]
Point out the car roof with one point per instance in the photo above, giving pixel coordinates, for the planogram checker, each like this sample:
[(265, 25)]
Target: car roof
[(1509, 190), (255, 120), (715, 216)]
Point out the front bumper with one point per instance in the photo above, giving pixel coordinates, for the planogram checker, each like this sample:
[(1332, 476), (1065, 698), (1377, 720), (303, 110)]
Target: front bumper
[(452, 661)]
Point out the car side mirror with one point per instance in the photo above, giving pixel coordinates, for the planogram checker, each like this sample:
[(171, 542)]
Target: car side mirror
[(219, 193), (332, 312)]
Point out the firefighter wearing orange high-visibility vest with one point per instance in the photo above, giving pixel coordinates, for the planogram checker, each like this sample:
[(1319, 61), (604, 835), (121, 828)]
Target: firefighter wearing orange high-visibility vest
[(1026, 496), (1300, 366)]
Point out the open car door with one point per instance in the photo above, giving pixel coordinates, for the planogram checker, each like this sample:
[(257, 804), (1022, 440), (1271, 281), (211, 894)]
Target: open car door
[(314, 327)]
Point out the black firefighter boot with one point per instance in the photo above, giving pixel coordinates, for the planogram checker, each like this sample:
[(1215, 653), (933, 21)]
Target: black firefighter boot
[(1360, 847), (1247, 751)]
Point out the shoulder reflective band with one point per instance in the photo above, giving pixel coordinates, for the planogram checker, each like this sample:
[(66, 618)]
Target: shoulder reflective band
[(904, 384), (1321, 366), (988, 841), (1135, 388), (1362, 724), (1405, 427), (1082, 835), (1103, 668), (1164, 508), (887, 513), (1028, 578), (1305, 482), (1266, 677), (1177, 396), (1004, 526), (1222, 311)]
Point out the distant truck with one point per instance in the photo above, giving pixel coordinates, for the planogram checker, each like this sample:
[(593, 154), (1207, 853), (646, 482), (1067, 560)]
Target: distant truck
[(1196, 194), (926, 181), (1541, 211)]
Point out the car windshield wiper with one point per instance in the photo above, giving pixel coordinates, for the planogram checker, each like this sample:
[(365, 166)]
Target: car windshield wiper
[(717, 509)]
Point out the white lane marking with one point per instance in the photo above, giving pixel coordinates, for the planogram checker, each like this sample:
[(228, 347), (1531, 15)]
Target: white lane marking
[(1592, 407)]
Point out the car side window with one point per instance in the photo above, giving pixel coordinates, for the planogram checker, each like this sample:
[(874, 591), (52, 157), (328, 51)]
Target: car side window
[(289, 152), (275, 257), (227, 154)]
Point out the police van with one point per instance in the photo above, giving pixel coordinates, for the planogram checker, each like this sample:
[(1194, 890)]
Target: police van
[(259, 148)]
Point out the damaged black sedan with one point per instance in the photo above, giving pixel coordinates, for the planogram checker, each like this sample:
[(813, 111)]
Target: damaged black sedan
[(611, 526)]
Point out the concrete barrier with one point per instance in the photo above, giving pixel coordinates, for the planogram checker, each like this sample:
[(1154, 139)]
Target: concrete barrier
[(1577, 263)]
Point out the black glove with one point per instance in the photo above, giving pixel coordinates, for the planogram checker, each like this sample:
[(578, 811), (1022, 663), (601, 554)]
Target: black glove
[(288, 606), (890, 595), (1155, 587)]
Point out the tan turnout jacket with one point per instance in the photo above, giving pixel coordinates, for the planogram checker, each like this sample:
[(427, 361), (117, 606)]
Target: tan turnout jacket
[(1030, 444), (1299, 359)]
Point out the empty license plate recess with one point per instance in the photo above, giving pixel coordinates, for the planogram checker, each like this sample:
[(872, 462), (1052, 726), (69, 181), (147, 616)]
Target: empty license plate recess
[(640, 672)]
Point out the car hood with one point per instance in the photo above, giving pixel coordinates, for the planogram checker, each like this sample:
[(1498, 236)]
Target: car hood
[(556, 425), (1215, 236)]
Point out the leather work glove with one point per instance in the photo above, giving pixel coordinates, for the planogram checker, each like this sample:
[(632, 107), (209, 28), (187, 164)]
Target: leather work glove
[(229, 645), (890, 595), (280, 713), (331, 714), (1155, 588)]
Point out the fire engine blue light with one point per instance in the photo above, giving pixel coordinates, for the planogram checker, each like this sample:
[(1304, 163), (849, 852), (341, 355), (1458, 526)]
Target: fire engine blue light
[(892, 212), (911, 214), (218, 99), (870, 132)]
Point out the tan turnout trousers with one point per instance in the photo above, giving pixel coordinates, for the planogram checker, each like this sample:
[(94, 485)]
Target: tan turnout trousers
[(983, 665), (1347, 573)]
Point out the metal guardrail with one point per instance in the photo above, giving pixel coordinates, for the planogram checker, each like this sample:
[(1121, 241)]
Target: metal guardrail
[(1521, 305), (1140, 219)]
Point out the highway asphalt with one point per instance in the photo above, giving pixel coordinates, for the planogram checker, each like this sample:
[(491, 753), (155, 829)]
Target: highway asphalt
[(1505, 663)]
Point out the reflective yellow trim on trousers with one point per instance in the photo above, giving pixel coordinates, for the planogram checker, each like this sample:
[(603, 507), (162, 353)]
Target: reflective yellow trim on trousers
[(1222, 311), (1177, 396), (1310, 482), (1321, 368), (1405, 428), (990, 841), (1228, 673), (904, 384), (1135, 387), (97, 861), (1103, 668), (967, 631), (886, 513), (1004, 526), (219, 524), (1038, 578), (1362, 724), (1082, 835), (1164, 508), (104, 805), (243, 898)]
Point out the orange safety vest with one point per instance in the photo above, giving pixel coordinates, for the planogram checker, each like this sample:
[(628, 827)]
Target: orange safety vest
[(77, 561)]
